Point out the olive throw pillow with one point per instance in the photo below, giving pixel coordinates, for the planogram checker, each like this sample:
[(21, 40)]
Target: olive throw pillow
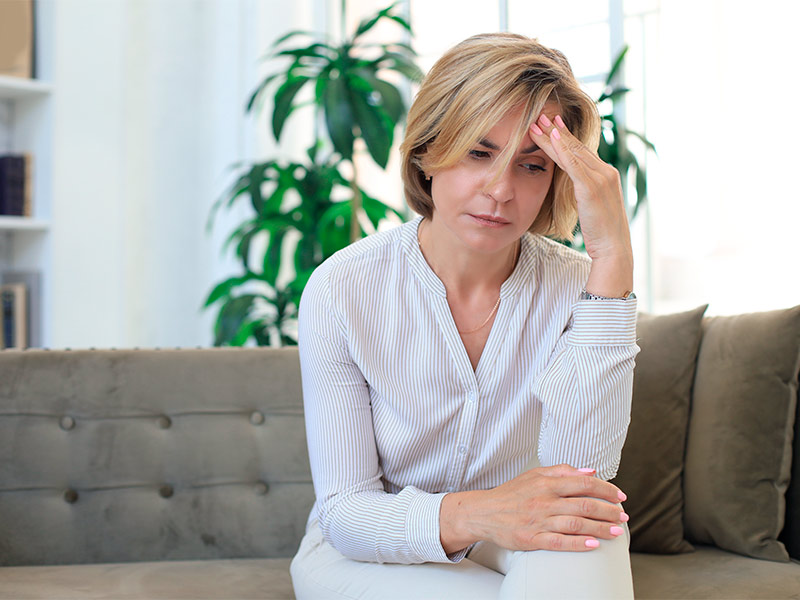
[(651, 467), (738, 453)]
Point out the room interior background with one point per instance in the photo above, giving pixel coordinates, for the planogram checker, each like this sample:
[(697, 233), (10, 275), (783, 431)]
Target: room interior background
[(147, 116)]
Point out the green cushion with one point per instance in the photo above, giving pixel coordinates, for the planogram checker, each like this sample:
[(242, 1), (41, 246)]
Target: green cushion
[(651, 468), (738, 455)]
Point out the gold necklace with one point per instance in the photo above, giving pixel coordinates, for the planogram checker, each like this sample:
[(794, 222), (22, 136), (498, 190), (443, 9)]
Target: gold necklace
[(496, 304)]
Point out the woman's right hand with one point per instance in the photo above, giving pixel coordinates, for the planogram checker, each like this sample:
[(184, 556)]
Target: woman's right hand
[(547, 508)]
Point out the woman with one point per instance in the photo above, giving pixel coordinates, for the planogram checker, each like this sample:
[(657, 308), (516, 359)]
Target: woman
[(467, 381)]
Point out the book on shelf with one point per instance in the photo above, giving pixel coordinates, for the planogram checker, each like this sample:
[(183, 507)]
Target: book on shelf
[(16, 38), (13, 316), (32, 280), (15, 185)]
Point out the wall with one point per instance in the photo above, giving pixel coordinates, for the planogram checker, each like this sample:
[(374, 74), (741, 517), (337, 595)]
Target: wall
[(149, 116)]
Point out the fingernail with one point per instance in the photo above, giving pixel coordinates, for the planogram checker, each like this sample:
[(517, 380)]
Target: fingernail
[(555, 134), (559, 121), (622, 496), (592, 543), (536, 130), (616, 530), (624, 517), (586, 470), (545, 121)]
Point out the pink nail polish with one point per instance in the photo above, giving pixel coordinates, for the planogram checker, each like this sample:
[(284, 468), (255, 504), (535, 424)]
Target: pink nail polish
[(592, 543), (559, 121), (616, 530), (586, 470), (624, 517), (536, 130), (622, 496), (545, 121), (555, 134)]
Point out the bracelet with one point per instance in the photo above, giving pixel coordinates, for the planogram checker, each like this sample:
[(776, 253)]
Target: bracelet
[(589, 296)]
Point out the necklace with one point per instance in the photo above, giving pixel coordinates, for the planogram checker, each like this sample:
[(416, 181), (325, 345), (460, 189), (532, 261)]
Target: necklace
[(496, 304)]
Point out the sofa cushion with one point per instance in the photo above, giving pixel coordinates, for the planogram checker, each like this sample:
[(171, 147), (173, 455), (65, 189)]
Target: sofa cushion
[(738, 455), (710, 574), (173, 580), (651, 467)]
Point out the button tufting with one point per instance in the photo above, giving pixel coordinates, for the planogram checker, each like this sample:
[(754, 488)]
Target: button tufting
[(261, 488), (66, 423), (166, 491), (164, 422), (71, 496), (256, 418)]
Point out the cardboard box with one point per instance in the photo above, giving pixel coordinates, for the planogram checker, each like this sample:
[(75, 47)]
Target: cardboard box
[(16, 38)]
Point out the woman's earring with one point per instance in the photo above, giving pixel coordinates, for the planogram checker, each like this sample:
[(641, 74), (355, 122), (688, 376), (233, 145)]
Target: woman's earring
[(427, 177)]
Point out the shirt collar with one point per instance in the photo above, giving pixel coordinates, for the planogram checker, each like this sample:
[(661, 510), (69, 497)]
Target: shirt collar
[(522, 275)]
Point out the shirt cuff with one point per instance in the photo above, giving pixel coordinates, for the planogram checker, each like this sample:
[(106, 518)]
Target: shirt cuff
[(603, 323), (422, 529)]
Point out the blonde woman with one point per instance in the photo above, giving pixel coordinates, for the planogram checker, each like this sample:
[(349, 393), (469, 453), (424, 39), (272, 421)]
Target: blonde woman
[(467, 381)]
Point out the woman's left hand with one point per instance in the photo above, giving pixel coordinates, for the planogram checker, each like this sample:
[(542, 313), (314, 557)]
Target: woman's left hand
[(601, 208)]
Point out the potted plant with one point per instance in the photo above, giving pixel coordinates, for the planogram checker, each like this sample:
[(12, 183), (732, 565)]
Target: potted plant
[(353, 99)]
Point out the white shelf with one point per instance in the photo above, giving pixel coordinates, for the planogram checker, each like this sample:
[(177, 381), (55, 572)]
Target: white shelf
[(8, 223), (17, 87)]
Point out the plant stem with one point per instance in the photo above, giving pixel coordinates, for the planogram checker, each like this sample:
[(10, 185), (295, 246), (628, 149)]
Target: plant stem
[(355, 229)]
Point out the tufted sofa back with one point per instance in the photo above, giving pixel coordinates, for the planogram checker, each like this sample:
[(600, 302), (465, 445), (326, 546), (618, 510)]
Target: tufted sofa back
[(139, 455)]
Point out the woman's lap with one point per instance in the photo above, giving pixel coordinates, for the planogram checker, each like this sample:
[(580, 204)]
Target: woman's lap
[(319, 571)]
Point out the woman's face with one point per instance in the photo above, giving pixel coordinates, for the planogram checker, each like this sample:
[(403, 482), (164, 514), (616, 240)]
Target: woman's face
[(486, 215)]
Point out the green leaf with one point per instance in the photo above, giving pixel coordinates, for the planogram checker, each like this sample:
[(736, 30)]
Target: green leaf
[(374, 123), (272, 257), (246, 329), (283, 103), (289, 35), (367, 24), (376, 210), (224, 288), (617, 64), (262, 86), (314, 51), (644, 140), (400, 20), (339, 116), (613, 94), (231, 316), (391, 99)]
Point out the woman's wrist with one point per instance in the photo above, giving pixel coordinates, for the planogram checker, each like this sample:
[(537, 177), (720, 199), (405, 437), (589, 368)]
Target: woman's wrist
[(611, 278), (454, 524)]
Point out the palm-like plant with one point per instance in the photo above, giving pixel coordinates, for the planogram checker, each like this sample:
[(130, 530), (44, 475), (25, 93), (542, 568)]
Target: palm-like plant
[(354, 100), (614, 150)]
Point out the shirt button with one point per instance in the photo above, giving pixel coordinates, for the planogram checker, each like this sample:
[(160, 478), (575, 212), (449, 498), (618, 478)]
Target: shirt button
[(462, 449), (472, 396)]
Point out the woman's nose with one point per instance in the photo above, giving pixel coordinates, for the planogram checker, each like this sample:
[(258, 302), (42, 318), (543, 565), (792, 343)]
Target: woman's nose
[(502, 188)]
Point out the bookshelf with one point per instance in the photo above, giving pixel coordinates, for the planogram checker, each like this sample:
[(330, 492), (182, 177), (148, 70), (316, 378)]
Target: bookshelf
[(26, 126)]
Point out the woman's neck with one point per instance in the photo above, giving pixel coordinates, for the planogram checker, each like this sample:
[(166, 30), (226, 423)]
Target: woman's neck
[(462, 270)]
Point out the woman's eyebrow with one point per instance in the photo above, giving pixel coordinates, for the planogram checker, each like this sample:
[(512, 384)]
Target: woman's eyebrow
[(492, 146)]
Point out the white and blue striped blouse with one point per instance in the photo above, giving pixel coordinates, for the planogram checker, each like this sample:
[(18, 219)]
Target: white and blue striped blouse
[(395, 415)]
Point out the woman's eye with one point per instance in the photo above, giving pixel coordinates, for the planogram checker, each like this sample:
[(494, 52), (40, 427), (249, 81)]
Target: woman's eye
[(479, 154), (533, 168)]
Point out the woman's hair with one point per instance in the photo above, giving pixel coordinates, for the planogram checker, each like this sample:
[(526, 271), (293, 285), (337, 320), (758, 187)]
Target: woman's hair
[(472, 87)]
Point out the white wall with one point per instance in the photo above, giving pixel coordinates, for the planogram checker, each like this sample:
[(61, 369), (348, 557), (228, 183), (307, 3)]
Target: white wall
[(725, 203), (149, 115)]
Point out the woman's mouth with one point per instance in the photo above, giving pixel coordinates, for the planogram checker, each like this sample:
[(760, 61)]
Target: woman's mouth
[(489, 220)]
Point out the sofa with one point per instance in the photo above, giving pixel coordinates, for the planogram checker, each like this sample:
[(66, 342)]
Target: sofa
[(183, 473)]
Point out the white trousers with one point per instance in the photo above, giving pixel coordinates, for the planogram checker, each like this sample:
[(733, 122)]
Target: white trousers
[(320, 572)]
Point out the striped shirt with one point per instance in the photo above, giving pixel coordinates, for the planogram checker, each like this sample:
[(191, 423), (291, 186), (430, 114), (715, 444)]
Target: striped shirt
[(395, 415)]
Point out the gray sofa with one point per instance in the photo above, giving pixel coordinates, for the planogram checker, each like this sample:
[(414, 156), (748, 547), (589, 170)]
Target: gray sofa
[(184, 474)]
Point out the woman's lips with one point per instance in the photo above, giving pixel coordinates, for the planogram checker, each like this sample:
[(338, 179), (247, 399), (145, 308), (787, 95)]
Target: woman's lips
[(489, 220)]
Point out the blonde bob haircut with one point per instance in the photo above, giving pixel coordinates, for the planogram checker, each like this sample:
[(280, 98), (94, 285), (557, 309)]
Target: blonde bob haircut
[(472, 87)]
